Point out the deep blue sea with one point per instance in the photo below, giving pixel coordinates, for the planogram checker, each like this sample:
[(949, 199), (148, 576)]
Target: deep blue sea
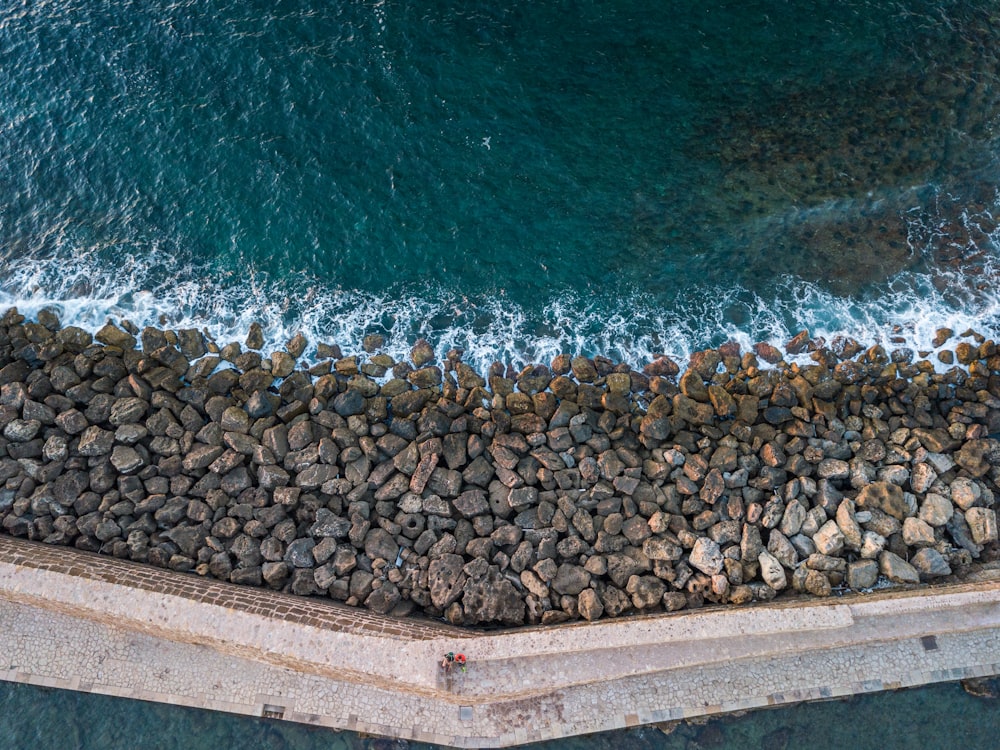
[(516, 179)]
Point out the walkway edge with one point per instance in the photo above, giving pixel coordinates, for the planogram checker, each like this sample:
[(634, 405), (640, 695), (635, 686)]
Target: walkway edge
[(307, 661)]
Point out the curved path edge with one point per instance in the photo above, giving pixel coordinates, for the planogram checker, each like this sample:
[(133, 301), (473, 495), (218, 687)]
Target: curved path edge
[(75, 620)]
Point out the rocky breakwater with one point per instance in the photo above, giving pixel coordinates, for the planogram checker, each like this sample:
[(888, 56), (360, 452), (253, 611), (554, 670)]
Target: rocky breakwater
[(581, 489)]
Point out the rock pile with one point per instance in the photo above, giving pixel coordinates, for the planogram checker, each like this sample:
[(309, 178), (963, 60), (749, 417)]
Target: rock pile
[(577, 489)]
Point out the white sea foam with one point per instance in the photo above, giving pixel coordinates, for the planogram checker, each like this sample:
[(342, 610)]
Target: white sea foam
[(630, 326)]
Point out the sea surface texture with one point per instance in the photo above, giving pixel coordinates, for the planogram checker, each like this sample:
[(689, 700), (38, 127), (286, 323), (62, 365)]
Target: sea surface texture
[(516, 179), (621, 178)]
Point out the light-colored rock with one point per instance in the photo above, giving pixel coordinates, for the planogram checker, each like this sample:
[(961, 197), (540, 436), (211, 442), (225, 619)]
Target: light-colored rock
[(922, 477), (771, 571), (848, 525), (917, 533), (896, 569), (936, 510), (940, 462), (872, 545), (982, 524), (833, 468), (794, 516), (706, 556), (589, 605), (965, 492), (829, 540)]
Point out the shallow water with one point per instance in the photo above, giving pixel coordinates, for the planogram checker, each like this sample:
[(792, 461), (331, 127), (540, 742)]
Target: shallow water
[(932, 717)]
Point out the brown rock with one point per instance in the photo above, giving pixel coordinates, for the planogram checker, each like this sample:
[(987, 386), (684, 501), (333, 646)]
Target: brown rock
[(896, 569), (589, 605), (886, 497), (446, 579)]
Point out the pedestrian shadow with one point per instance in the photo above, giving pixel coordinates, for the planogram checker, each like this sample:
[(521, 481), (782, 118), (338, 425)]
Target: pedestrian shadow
[(451, 679)]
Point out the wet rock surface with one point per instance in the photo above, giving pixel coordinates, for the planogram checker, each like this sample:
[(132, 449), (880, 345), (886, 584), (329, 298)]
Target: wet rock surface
[(577, 490)]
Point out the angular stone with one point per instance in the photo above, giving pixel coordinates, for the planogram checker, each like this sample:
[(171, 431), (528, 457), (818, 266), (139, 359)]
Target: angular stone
[(922, 476), (328, 524), (589, 605), (872, 545), (848, 525), (380, 544), (965, 492), (657, 548), (833, 469), (692, 411), (471, 503), (930, 563), (862, 574), (95, 442), (570, 580), (896, 569), (936, 510), (917, 533), (771, 571), (127, 411), (126, 459), (491, 598), (706, 556), (974, 456), (829, 540), (817, 583), (646, 591), (886, 497), (22, 430), (792, 519), (982, 525)]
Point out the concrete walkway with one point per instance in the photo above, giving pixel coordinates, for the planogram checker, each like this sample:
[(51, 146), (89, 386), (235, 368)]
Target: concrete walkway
[(79, 621)]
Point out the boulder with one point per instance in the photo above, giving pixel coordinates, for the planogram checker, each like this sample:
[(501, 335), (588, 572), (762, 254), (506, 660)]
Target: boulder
[(491, 598), (829, 540), (589, 605), (885, 496), (571, 580), (896, 569), (446, 579), (982, 525), (706, 556), (935, 510), (862, 574), (771, 571), (930, 563)]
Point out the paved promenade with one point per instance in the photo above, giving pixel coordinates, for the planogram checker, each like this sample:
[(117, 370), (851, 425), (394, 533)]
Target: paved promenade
[(79, 621)]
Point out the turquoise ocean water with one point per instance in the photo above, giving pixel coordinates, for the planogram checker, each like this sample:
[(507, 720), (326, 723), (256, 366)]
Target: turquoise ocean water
[(517, 179)]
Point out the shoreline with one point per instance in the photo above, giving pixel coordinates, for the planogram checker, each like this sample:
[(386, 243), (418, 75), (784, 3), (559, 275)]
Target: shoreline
[(577, 490), (95, 624)]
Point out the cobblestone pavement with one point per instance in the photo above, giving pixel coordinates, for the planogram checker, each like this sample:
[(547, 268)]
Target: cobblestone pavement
[(76, 620)]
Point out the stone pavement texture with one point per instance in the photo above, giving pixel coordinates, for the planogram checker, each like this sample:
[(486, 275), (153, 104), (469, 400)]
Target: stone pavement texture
[(75, 620)]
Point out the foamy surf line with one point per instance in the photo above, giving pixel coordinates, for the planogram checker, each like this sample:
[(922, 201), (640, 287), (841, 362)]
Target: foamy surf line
[(628, 327), (501, 333)]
